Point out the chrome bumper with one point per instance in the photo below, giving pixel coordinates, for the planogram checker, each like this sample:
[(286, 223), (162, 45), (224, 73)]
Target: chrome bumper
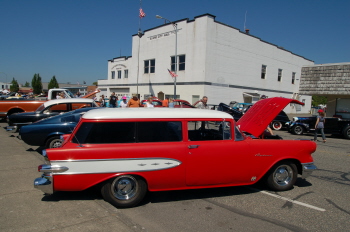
[(308, 168), (11, 129), (44, 183)]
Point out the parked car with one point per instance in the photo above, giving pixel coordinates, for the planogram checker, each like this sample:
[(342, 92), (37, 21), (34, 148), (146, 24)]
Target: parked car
[(333, 125), (277, 123), (155, 103), (46, 110), (241, 106), (128, 152), (47, 132)]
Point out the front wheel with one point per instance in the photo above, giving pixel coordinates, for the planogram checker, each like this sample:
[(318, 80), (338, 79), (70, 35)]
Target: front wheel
[(54, 142), (276, 125), (282, 176), (298, 130), (124, 191)]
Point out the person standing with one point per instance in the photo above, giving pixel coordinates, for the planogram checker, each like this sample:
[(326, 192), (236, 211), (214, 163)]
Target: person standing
[(149, 102), (103, 101), (123, 103), (171, 103), (319, 126), (134, 101), (204, 106), (203, 103), (165, 102), (113, 101)]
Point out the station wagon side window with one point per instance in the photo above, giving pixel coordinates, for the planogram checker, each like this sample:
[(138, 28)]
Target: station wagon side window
[(105, 132), (128, 132), (209, 130), (159, 132)]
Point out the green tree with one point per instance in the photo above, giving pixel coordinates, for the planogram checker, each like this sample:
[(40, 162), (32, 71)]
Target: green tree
[(37, 84), (26, 84), (14, 86), (319, 100), (53, 83), (94, 83)]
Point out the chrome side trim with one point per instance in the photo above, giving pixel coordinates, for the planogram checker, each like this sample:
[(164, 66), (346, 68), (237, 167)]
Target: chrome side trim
[(307, 169), (121, 159)]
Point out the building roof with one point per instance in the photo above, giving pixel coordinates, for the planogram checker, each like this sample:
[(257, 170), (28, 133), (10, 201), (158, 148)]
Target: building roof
[(213, 16), (147, 113), (325, 79)]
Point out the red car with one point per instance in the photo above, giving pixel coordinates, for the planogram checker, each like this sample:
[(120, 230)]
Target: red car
[(131, 151), (156, 103)]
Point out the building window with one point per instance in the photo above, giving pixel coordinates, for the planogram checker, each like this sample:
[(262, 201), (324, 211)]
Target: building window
[(119, 74), (279, 75), (113, 74), (263, 71), (150, 66), (293, 78), (126, 73), (181, 63)]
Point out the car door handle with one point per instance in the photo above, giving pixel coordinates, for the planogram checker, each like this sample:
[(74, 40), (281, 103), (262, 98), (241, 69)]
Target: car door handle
[(193, 146)]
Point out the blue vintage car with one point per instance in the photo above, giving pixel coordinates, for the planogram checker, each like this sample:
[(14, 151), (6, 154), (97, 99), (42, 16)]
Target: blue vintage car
[(47, 132)]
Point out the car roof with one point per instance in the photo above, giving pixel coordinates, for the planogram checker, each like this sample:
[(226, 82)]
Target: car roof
[(68, 100), (126, 113)]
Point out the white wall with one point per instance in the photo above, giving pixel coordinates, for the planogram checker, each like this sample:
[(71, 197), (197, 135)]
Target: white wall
[(215, 53)]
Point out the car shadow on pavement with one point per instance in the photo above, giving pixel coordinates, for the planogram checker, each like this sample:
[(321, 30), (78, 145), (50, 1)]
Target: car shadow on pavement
[(88, 194), (195, 194)]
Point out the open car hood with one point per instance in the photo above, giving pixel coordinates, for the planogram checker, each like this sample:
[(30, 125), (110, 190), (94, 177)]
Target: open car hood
[(260, 115)]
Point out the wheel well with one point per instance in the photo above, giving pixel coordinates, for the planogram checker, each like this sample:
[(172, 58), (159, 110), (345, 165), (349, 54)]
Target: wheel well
[(297, 163), (49, 137), (14, 110), (114, 176)]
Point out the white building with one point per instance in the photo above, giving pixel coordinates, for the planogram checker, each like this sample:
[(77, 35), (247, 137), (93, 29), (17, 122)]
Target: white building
[(214, 60)]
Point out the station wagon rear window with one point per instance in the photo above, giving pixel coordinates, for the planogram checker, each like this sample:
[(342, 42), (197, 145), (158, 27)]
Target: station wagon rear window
[(128, 132)]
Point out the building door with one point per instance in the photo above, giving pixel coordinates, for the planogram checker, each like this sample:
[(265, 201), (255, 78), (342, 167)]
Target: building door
[(160, 95)]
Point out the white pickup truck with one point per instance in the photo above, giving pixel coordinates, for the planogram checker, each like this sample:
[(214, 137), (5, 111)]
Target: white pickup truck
[(11, 106)]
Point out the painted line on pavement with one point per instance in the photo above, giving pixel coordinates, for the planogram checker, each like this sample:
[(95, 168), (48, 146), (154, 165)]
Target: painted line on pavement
[(287, 199)]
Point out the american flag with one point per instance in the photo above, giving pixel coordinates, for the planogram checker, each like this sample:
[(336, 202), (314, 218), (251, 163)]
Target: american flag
[(172, 73), (142, 14)]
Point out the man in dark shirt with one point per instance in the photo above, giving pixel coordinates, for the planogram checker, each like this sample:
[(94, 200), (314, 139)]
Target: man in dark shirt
[(113, 101)]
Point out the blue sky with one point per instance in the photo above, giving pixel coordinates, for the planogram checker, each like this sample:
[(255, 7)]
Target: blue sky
[(74, 39)]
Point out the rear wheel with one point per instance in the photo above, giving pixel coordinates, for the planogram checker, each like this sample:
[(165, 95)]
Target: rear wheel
[(282, 176), (298, 130), (276, 125), (54, 142), (124, 191), (346, 132)]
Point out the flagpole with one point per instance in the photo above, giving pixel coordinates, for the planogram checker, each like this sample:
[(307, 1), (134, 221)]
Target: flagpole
[(138, 53)]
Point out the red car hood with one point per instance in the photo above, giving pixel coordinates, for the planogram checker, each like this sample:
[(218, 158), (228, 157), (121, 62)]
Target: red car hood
[(261, 114)]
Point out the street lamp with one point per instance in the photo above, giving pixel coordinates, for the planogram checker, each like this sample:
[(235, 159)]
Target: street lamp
[(175, 70)]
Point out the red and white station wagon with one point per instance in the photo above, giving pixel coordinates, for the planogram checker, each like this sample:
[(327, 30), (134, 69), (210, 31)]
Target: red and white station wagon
[(131, 151)]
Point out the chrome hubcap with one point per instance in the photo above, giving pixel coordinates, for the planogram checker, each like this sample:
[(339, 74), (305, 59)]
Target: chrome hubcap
[(124, 187), (283, 175), (56, 143)]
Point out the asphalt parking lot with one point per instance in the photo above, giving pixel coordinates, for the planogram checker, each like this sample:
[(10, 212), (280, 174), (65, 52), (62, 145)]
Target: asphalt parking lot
[(320, 203)]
